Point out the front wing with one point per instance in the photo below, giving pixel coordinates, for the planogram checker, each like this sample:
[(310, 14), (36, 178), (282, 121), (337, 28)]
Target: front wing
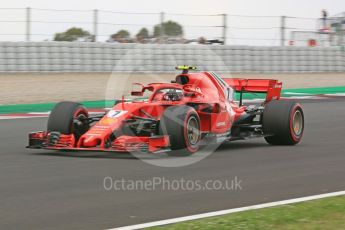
[(57, 141)]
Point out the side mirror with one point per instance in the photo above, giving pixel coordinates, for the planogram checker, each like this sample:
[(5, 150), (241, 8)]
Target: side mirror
[(137, 93), (137, 89)]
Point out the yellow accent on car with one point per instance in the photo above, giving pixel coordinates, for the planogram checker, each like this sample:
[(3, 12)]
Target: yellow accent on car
[(185, 67)]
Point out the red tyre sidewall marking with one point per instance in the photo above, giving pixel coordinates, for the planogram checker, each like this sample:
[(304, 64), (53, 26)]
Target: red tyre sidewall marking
[(78, 112), (189, 147), (293, 135)]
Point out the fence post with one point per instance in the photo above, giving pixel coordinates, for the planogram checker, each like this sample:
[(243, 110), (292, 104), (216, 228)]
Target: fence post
[(282, 30), (95, 25), (28, 24), (342, 31), (162, 18), (225, 28)]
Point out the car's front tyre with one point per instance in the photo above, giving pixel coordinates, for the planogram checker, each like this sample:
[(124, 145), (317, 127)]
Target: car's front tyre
[(68, 118)]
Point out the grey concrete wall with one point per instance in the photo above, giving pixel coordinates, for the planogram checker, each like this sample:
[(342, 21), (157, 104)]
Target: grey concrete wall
[(104, 57)]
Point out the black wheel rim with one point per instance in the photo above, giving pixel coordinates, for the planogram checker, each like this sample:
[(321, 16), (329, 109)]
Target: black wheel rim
[(297, 123), (193, 131)]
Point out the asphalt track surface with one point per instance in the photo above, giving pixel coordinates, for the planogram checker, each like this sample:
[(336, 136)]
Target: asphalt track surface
[(41, 189)]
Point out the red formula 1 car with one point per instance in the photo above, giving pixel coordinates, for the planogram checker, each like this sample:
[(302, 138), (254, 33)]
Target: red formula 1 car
[(193, 110)]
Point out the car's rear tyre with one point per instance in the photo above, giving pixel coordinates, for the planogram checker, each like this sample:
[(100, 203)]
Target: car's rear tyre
[(283, 122), (182, 124), (68, 118)]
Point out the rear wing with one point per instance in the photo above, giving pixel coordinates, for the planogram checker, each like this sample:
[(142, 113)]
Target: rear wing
[(269, 86)]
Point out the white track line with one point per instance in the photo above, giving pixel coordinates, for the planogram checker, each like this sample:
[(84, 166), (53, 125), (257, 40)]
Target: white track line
[(256, 100), (20, 117), (228, 211), (34, 115), (40, 113), (295, 93)]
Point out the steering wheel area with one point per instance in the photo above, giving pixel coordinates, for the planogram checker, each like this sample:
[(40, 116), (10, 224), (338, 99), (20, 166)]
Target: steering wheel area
[(168, 94), (172, 96)]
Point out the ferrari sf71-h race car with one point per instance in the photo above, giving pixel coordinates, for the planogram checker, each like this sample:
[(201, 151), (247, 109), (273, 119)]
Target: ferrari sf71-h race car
[(195, 109)]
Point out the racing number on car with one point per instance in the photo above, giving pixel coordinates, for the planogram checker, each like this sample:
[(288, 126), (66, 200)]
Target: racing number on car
[(115, 113)]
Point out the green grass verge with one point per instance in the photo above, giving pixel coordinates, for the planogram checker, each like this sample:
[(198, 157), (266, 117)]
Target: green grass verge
[(44, 107), (323, 214)]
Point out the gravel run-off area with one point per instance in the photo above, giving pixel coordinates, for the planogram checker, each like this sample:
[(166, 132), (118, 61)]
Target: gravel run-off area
[(21, 88)]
